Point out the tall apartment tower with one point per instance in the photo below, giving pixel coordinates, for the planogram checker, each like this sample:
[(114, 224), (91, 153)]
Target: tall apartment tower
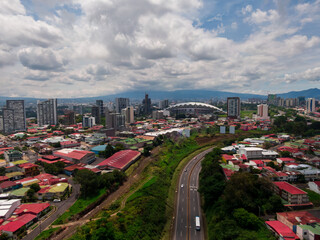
[(146, 104), (263, 112), (164, 104), (311, 105), (88, 121), (121, 103), (128, 114), (14, 116), (233, 107), (99, 103), (95, 112), (272, 99), (47, 112)]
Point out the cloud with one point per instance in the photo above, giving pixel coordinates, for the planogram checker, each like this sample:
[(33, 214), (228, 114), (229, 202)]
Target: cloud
[(312, 74), (41, 59), (247, 9)]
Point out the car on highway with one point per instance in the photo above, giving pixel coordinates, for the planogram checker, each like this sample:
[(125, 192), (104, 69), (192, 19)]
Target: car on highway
[(181, 185), (185, 170)]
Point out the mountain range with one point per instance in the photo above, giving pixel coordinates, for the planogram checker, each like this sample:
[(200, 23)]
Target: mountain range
[(182, 95)]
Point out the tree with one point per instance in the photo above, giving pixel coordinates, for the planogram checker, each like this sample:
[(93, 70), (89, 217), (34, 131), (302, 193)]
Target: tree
[(35, 187), (245, 219), (31, 195), (146, 151), (2, 171), (285, 154), (109, 151), (89, 182), (118, 147)]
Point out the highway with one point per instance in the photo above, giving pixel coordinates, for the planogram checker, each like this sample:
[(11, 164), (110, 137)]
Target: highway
[(188, 201)]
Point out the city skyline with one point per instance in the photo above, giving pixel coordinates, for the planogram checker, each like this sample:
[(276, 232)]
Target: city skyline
[(77, 48)]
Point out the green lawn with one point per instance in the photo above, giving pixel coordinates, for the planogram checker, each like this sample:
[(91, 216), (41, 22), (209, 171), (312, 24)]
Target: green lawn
[(46, 234), (77, 207), (247, 113), (314, 197)]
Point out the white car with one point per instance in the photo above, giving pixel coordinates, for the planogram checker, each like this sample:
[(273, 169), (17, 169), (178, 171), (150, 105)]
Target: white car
[(181, 185), (56, 200)]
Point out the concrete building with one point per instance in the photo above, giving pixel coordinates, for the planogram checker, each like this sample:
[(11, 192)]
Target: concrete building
[(69, 118), (146, 104), (164, 104), (88, 121), (1, 123), (121, 103), (158, 114), (99, 103), (95, 112), (309, 231), (47, 112), (293, 195), (311, 105), (233, 107), (128, 112), (115, 121), (263, 112), (14, 116)]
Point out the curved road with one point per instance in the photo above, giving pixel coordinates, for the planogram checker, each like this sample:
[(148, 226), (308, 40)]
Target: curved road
[(188, 201)]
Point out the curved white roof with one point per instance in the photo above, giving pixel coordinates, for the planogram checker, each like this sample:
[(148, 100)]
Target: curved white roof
[(195, 104)]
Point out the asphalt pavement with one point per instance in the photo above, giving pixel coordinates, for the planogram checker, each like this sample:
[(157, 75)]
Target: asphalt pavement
[(188, 201)]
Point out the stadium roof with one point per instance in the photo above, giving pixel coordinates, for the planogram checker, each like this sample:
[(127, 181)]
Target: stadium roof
[(195, 105)]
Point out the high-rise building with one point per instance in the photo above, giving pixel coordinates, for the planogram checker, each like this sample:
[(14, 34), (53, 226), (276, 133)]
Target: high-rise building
[(1, 123), (164, 104), (146, 104), (99, 103), (47, 112), (158, 114), (69, 118), (263, 112), (88, 121), (78, 109), (14, 116), (301, 101), (95, 112), (121, 103), (233, 107), (115, 121), (8, 120), (311, 105), (129, 114), (272, 99)]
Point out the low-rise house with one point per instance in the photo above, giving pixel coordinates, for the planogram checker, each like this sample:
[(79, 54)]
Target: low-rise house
[(309, 232), (294, 218), (285, 160), (310, 173), (29, 169), (53, 192), (256, 163), (70, 144), (281, 230), (293, 195), (15, 175), (25, 182), (12, 229), (37, 209), (9, 186), (12, 155)]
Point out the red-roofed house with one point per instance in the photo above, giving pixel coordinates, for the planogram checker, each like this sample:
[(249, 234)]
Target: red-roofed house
[(27, 218), (258, 163), (293, 195), (50, 159), (314, 186), (226, 157), (75, 155), (29, 169), (228, 173), (281, 230), (37, 209), (292, 219), (120, 160), (3, 179)]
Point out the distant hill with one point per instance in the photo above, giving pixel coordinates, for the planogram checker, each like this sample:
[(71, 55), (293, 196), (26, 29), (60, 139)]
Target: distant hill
[(181, 95), (309, 93)]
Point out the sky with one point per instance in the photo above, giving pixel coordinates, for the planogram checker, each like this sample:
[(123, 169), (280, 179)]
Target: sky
[(87, 48)]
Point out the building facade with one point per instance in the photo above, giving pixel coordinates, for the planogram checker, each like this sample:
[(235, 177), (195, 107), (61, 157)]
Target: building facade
[(88, 121), (121, 103), (95, 112), (99, 103), (47, 112), (233, 107), (14, 116), (128, 114), (146, 104), (311, 105)]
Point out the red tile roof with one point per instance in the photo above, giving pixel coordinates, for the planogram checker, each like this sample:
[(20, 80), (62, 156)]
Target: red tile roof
[(7, 184), (3, 178), (289, 188), (28, 165), (75, 154), (282, 230), (34, 208), (120, 159), (25, 218), (287, 159)]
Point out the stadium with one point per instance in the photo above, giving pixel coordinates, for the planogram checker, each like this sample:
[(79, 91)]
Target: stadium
[(193, 109)]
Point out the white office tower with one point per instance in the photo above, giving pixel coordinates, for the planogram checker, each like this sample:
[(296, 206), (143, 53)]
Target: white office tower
[(14, 116), (88, 121), (128, 114), (121, 103), (311, 105), (47, 112), (263, 112)]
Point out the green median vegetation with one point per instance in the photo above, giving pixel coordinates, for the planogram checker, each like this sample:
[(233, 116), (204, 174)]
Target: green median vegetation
[(231, 207)]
